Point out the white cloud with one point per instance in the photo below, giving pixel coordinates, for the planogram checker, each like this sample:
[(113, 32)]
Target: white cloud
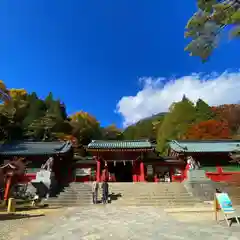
[(157, 94)]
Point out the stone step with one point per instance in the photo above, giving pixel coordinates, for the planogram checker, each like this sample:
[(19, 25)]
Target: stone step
[(56, 204), (126, 200), (138, 192), (73, 198), (146, 192), (129, 196), (123, 202), (155, 203), (75, 193)]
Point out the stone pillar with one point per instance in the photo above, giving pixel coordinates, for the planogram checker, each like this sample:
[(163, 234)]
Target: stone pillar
[(98, 172), (142, 172)]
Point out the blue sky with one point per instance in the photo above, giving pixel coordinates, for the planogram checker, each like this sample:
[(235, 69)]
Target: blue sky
[(91, 54)]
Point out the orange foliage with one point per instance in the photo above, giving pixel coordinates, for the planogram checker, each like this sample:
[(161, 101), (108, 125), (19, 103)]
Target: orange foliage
[(68, 138), (14, 93), (229, 113), (210, 129), (83, 115)]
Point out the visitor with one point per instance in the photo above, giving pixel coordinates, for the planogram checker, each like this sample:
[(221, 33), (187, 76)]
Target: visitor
[(104, 192), (95, 186)]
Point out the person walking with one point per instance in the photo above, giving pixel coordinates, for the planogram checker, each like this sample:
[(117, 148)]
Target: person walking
[(95, 186)]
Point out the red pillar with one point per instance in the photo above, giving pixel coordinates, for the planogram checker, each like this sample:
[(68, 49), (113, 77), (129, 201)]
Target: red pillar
[(142, 172), (7, 187), (219, 169), (98, 173), (155, 178), (134, 172)]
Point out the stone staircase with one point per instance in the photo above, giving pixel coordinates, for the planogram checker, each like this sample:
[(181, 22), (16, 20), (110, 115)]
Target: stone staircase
[(128, 194), (75, 194), (151, 194)]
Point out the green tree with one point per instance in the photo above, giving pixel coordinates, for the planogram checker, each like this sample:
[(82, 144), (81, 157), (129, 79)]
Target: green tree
[(129, 133), (144, 129), (43, 128), (6, 125), (36, 110), (49, 100), (203, 111), (205, 26), (176, 123)]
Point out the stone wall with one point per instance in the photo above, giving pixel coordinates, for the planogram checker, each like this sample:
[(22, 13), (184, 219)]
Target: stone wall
[(199, 186)]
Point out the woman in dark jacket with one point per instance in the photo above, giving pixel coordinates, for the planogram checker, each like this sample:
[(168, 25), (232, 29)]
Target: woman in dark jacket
[(104, 192)]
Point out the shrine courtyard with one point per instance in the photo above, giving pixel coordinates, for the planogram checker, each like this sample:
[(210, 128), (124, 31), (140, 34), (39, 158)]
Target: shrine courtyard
[(109, 222)]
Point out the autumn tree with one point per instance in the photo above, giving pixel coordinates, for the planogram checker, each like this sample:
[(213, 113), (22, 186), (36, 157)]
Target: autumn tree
[(229, 113), (17, 94), (12, 110), (211, 129), (111, 132), (205, 27), (85, 127), (4, 94)]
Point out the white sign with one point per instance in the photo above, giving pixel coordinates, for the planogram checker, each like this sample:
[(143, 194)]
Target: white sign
[(83, 171), (149, 170)]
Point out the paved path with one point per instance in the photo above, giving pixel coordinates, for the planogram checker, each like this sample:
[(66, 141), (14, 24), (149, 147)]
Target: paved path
[(128, 223)]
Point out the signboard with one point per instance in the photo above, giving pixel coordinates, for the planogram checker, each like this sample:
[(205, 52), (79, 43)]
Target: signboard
[(224, 202), (149, 170), (83, 172)]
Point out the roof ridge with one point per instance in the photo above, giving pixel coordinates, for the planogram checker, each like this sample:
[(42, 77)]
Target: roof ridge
[(204, 146), (206, 141), (135, 140), (183, 147)]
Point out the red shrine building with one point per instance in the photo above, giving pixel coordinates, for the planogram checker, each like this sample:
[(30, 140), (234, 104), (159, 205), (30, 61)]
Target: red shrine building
[(37, 153), (138, 161), (214, 156), (127, 161)]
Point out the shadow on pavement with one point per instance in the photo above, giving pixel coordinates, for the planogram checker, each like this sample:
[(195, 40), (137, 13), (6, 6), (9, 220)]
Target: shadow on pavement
[(14, 216)]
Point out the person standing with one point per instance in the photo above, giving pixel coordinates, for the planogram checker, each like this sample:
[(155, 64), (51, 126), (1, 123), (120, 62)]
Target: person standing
[(95, 186), (104, 192)]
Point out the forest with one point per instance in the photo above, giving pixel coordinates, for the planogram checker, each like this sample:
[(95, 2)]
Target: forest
[(27, 117)]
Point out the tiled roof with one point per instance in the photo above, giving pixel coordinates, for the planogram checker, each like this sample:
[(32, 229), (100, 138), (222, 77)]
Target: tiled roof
[(35, 148), (126, 144), (205, 146)]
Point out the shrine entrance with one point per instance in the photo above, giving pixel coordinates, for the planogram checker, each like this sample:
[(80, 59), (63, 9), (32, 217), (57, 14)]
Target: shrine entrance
[(123, 171), (123, 159)]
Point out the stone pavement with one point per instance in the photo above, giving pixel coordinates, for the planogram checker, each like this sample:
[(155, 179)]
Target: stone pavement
[(128, 223)]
